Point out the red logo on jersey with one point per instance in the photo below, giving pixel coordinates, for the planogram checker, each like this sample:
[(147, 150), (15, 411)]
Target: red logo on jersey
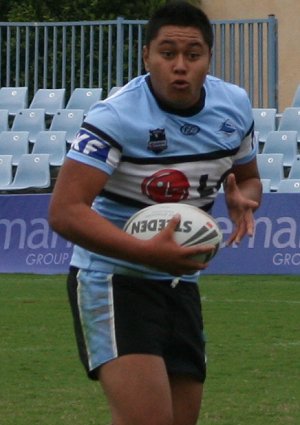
[(166, 186)]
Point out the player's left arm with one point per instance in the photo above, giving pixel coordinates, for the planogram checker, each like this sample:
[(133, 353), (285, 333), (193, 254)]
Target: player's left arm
[(243, 191)]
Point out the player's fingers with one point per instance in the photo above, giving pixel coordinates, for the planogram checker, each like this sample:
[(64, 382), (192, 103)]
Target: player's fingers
[(173, 223)]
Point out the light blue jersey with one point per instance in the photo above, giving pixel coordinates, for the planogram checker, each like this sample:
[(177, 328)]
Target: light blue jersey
[(153, 154)]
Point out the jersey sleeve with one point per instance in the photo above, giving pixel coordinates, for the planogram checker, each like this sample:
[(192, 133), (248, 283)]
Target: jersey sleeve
[(93, 144)]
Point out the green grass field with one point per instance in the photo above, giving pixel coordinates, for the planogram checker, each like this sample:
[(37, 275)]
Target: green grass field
[(252, 326)]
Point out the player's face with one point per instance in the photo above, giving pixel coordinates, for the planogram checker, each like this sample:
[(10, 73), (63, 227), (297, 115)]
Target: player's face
[(178, 60)]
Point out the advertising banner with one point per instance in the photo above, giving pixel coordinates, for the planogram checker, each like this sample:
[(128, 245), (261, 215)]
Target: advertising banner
[(28, 245)]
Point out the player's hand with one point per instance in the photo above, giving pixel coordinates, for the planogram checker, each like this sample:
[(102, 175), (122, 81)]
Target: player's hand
[(166, 255), (240, 210)]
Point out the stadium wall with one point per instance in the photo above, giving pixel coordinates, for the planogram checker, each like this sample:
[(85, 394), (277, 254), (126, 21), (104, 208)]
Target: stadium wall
[(28, 245), (287, 12)]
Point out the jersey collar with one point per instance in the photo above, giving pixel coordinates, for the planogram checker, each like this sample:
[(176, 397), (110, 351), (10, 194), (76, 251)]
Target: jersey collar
[(195, 109)]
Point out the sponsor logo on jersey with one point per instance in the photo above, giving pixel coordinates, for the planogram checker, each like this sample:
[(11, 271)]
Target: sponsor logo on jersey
[(166, 186), (189, 129), (157, 142), (227, 127), (91, 145)]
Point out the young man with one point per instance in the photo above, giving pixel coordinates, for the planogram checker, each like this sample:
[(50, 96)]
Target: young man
[(173, 135)]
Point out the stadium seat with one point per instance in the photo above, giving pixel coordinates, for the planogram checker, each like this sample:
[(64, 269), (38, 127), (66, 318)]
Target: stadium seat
[(113, 90), (296, 98), (264, 122), (68, 120), (270, 166), (31, 120), (266, 185), (52, 143), (294, 172), (49, 99), (4, 120), (5, 170), (84, 98), (290, 120), (289, 186), (284, 142), (33, 172), (13, 99), (14, 143)]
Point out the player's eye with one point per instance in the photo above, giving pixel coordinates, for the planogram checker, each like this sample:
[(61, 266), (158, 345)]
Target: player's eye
[(167, 54), (194, 55)]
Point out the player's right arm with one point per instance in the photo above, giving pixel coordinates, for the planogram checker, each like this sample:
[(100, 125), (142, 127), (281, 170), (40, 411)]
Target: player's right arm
[(71, 216)]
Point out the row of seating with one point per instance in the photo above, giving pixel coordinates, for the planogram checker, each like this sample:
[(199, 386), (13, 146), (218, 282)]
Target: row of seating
[(15, 98), (17, 143), (271, 167), (267, 120), (32, 173), (33, 120)]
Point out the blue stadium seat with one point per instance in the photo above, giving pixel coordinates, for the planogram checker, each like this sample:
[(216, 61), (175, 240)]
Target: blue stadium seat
[(68, 120), (264, 122), (14, 143), (294, 172), (49, 99), (270, 166), (33, 172), (31, 120), (266, 185), (284, 142), (289, 186), (52, 143), (84, 98), (5, 170), (113, 90), (4, 120), (290, 120), (13, 99)]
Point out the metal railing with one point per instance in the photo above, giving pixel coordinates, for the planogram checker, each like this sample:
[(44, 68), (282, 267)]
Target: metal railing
[(109, 53)]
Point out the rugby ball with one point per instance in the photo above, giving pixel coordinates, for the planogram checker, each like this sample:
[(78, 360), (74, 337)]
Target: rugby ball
[(195, 228)]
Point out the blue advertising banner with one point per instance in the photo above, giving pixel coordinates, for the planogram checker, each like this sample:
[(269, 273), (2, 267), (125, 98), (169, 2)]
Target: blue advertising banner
[(28, 245)]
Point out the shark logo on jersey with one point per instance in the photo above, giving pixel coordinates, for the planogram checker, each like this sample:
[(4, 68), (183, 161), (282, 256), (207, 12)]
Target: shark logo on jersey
[(157, 142), (227, 127)]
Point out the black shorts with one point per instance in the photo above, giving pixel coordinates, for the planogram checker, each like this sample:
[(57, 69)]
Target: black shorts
[(129, 315)]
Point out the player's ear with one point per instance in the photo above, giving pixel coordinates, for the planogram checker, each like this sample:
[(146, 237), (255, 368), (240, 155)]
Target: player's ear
[(146, 57)]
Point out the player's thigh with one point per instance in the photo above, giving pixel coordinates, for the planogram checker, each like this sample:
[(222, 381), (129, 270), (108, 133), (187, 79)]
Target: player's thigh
[(186, 397), (138, 391)]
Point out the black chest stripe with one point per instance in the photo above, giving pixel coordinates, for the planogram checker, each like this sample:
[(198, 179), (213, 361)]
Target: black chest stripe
[(181, 158)]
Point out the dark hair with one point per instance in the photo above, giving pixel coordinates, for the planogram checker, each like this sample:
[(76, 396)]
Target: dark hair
[(183, 14)]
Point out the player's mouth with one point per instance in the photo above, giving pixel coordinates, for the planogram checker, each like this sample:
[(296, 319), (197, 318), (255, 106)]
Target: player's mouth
[(180, 84)]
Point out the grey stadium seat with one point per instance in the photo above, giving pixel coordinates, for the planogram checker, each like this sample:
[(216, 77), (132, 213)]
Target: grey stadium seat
[(284, 142), (31, 120), (15, 143), (68, 120), (5, 170), (270, 166), (13, 99), (84, 98), (33, 171), (49, 99), (52, 143)]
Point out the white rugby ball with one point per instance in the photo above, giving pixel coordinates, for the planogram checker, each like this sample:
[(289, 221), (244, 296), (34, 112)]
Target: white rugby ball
[(196, 226)]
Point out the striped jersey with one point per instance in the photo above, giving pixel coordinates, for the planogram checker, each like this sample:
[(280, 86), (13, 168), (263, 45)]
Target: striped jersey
[(155, 154)]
